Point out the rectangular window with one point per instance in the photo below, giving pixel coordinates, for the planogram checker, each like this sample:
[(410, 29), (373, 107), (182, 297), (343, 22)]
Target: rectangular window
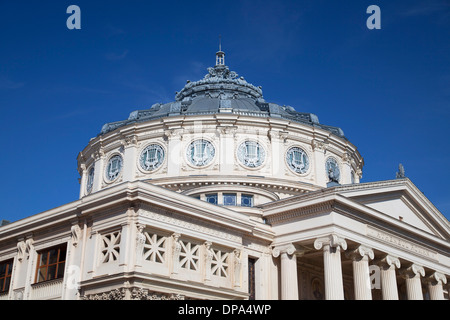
[(51, 263), (246, 200), (251, 279), (5, 275), (229, 199), (211, 198)]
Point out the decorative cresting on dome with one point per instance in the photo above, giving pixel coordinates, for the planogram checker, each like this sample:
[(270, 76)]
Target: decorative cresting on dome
[(219, 83), (221, 91)]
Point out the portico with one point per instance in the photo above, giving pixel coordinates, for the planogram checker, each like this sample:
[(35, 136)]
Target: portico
[(334, 256), (340, 266)]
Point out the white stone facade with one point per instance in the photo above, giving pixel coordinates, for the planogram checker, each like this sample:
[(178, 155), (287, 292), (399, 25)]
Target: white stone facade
[(161, 217)]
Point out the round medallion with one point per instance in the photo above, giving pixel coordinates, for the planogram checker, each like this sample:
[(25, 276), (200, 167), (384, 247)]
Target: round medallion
[(151, 157), (332, 170), (113, 168), (297, 160), (200, 152), (251, 154), (90, 180)]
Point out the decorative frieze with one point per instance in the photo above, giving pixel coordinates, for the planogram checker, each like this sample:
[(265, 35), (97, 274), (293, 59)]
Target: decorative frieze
[(301, 212), (117, 294), (144, 294), (401, 243)]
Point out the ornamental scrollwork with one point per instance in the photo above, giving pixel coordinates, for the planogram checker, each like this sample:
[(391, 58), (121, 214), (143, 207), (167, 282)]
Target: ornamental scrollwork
[(117, 294), (143, 294), (76, 234)]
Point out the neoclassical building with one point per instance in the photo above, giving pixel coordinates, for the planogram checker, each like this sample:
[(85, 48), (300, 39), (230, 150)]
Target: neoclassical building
[(223, 195)]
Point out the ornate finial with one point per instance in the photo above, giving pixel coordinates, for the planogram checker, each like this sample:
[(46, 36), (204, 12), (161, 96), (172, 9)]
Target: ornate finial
[(401, 172), (220, 55)]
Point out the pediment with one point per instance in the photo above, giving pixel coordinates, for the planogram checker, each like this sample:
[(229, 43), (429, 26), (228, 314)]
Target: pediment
[(402, 200)]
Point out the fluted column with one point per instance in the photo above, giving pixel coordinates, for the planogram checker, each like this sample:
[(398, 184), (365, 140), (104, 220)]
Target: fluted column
[(389, 289), (435, 286), (289, 283), (361, 276), (413, 284), (332, 244)]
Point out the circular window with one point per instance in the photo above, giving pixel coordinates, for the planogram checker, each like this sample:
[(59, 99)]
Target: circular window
[(297, 160), (151, 157), (200, 152), (251, 154), (114, 168)]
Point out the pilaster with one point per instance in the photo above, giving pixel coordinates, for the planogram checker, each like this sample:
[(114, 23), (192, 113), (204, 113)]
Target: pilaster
[(319, 148), (129, 144), (174, 151)]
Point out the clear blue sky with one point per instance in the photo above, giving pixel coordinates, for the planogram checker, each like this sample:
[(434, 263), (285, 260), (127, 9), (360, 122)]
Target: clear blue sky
[(388, 89)]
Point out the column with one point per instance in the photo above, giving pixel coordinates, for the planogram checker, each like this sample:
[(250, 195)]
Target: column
[(413, 284), (32, 260), (361, 276), (83, 180), (435, 285), (72, 276), (332, 244), (289, 283), (389, 289)]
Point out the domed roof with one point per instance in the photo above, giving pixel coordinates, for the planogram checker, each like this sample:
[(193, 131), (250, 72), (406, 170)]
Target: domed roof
[(221, 91)]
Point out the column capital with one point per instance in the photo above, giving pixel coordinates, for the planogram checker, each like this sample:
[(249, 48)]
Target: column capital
[(289, 248), (412, 271), (387, 261), (332, 240), (360, 252), (436, 278)]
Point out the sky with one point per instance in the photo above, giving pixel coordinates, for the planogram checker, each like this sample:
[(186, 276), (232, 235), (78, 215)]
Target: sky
[(388, 88)]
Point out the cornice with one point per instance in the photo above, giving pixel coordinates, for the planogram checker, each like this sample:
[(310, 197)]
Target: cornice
[(55, 217), (301, 212), (136, 192), (329, 200), (273, 184), (165, 123)]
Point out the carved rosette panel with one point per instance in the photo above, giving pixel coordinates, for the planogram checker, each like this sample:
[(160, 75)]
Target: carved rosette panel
[(110, 249)]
